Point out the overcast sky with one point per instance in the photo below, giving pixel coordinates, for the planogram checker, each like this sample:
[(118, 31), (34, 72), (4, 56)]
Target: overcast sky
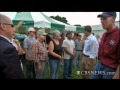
[(82, 18)]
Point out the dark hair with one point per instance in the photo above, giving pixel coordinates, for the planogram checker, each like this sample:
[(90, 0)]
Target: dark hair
[(88, 28), (75, 34), (68, 33), (62, 35), (48, 39)]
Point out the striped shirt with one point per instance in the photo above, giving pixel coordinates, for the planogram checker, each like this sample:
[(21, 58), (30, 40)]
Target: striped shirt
[(39, 51)]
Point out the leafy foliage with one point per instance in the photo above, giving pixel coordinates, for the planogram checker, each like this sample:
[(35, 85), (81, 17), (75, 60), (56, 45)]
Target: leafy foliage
[(59, 18)]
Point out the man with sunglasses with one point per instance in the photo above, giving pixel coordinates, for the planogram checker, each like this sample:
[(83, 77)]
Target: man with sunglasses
[(108, 63), (10, 66)]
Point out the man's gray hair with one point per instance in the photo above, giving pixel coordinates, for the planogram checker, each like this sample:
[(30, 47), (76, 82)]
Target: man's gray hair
[(3, 18), (55, 33)]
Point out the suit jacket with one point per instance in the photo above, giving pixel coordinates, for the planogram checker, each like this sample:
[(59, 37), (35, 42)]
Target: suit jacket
[(10, 66)]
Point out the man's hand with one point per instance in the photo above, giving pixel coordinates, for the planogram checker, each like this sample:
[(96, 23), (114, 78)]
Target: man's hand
[(116, 77), (89, 64), (16, 42), (61, 58), (117, 73), (87, 67), (20, 23), (90, 61), (72, 55)]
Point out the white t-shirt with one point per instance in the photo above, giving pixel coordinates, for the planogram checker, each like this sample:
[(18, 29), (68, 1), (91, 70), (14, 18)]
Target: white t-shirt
[(70, 47)]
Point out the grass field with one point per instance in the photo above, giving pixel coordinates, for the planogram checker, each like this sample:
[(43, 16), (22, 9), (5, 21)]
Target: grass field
[(60, 72)]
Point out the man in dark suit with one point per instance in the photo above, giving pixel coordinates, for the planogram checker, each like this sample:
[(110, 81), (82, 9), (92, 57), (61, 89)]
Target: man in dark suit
[(10, 67)]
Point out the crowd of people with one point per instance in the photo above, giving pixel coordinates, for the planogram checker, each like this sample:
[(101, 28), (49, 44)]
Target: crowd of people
[(89, 53)]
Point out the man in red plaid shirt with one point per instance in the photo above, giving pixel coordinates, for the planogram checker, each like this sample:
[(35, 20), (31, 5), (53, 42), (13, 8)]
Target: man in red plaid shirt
[(39, 54)]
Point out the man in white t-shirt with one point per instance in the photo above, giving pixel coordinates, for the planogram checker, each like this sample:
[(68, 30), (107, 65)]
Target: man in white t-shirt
[(69, 54)]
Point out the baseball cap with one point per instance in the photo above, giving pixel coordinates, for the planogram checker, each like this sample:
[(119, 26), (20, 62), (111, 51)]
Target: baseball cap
[(31, 29), (79, 34), (41, 32), (107, 14)]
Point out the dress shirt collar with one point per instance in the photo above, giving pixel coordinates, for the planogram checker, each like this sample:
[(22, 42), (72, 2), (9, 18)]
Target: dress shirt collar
[(89, 37), (6, 38)]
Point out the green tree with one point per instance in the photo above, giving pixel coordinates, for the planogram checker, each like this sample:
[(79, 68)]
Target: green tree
[(77, 25), (59, 18)]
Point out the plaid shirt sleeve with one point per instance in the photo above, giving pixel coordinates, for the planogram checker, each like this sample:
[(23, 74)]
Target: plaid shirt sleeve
[(35, 52), (42, 51)]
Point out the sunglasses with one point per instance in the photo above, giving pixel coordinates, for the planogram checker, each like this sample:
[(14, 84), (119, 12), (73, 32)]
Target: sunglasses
[(8, 24)]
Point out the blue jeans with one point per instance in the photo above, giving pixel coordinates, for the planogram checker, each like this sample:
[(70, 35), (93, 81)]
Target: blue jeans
[(78, 58), (40, 75), (54, 66), (68, 65), (30, 72), (103, 72)]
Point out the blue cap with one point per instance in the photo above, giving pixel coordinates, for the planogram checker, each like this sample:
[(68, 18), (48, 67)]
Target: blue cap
[(107, 14)]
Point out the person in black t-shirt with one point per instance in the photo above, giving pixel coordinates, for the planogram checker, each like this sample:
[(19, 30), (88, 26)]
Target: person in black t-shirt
[(55, 54)]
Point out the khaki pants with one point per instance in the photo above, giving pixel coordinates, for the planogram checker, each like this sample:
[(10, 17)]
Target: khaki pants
[(86, 73)]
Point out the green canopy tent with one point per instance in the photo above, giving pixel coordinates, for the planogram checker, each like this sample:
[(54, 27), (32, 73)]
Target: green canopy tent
[(79, 29), (26, 17), (39, 20)]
